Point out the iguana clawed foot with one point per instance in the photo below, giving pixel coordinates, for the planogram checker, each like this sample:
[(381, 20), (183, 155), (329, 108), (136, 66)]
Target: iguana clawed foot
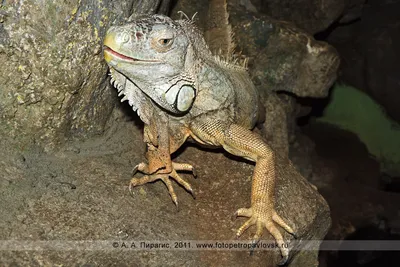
[(265, 218), (165, 177)]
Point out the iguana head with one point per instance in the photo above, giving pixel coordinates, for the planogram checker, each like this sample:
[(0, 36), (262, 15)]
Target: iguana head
[(152, 53)]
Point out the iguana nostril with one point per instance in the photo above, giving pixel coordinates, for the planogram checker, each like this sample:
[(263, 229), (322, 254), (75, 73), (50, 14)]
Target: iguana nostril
[(139, 35)]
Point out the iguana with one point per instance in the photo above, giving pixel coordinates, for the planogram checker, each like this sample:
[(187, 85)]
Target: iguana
[(181, 90)]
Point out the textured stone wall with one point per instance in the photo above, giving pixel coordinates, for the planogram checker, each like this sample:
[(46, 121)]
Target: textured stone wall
[(53, 82)]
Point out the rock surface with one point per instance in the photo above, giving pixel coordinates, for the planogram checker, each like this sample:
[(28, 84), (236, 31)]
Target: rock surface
[(313, 16), (81, 193), (52, 83), (283, 58)]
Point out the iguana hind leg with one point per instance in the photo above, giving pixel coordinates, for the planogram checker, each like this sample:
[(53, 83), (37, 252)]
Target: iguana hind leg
[(243, 142)]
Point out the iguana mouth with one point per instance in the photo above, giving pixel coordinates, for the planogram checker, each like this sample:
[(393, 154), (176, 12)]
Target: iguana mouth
[(124, 57)]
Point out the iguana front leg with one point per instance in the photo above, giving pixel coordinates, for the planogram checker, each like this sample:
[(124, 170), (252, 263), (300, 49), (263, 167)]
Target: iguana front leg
[(160, 165), (243, 142)]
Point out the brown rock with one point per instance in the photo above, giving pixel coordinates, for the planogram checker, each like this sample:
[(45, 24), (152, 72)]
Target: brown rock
[(52, 82)]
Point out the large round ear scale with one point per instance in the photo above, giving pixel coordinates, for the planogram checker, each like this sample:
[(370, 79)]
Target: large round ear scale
[(185, 98)]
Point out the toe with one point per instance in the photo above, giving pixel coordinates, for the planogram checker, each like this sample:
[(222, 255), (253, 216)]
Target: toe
[(279, 240), (259, 232), (140, 181), (243, 212), (282, 223), (171, 191), (143, 180), (182, 182), (184, 167), (141, 167), (245, 226)]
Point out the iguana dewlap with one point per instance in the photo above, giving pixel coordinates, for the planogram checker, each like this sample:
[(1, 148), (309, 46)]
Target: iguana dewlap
[(179, 89)]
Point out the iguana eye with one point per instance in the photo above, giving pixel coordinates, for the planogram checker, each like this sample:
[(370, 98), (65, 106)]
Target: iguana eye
[(162, 44), (165, 42)]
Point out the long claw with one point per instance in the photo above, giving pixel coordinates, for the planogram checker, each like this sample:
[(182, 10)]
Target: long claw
[(194, 173), (234, 216), (283, 260), (253, 246), (193, 194), (130, 189), (134, 170), (134, 182)]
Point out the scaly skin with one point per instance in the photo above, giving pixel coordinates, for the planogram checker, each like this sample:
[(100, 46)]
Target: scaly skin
[(179, 89)]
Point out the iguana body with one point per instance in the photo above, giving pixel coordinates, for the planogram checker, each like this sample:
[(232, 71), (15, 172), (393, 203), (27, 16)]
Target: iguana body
[(179, 89)]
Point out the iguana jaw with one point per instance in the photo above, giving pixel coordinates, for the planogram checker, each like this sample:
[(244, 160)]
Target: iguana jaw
[(110, 54), (112, 51)]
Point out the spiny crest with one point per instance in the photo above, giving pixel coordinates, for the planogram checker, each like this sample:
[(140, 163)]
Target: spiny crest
[(118, 81), (135, 97), (186, 18), (219, 34), (236, 62), (117, 84), (220, 37)]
